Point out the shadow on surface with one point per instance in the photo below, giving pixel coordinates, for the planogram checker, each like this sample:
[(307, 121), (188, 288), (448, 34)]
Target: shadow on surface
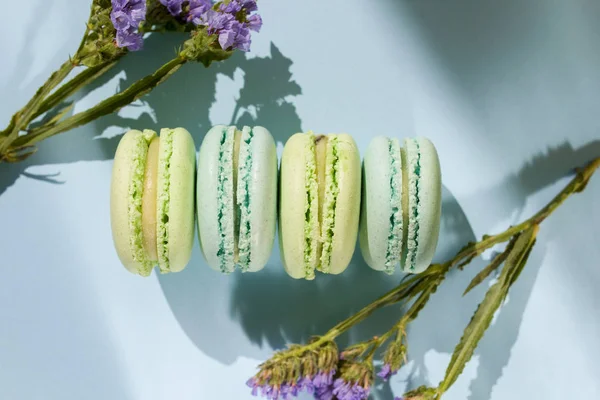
[(451, 312), (184, 100), (274, 309)]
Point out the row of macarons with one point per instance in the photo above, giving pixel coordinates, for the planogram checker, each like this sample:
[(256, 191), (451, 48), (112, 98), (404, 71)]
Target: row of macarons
[(235, 191)]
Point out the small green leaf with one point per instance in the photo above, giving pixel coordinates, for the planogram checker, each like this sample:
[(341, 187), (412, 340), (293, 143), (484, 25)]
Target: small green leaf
[(496, 262), (484, 314)]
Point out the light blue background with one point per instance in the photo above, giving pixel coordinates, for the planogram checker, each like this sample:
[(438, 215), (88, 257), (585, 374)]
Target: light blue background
[(509, 92)]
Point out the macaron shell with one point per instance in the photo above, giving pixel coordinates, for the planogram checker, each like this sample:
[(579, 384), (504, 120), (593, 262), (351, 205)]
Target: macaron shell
[(207, 199), (292, 204), (430, 205), (181, 205), (376, 207), (347, 209), (132, 149), (263, 196)]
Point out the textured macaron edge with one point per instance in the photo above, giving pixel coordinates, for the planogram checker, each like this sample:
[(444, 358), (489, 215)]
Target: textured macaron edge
[(260, 186), (126, 201), (180, 217), (396, 226), (413, 172), (298, 216), (311, 211), (332, 190), (347, 205), (163, 198), (381, 225), (225, 202), (429, 205), (207, 198), (244, 199)]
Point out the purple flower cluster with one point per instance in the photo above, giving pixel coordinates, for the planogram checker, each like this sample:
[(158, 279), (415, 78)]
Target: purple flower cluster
[(223, 21), (199, 8), (175, 7), (321, 386), (386, 372), (344, 390), (126, 16)]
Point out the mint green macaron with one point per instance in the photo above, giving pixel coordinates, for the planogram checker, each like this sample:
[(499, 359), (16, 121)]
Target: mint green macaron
[(401, 204), (237, 197), (152, 200)]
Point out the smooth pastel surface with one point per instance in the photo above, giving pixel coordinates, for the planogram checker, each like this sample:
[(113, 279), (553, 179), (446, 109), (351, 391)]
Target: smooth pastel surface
[(149, 199), (217, 199), (508, 92)]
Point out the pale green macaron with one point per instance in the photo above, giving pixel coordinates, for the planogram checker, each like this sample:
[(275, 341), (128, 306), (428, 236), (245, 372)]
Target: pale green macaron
[(319, 203), (152, 200), (401, 204), (237, 197)]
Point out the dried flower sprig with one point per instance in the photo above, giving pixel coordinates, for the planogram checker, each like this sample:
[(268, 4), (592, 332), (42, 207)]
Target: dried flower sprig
[(309, 368), (114, 28), (354, 376)]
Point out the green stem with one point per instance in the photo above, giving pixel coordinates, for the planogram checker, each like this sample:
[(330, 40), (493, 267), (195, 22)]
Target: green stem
[(576, 185), (439, 270), (390, 297), (80, 80), (21, 119), (108, 106)]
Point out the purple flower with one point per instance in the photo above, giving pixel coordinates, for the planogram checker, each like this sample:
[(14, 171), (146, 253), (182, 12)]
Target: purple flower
[(306, 383), (174, 6), (126, 16), (217, 22), (237, 36), (398, 398), (323, 379), (249, 5), (349, 390), (324, 393), (386, 372), (255, 22), (199, 10), (273, 392), (253, 383), (234, 6)]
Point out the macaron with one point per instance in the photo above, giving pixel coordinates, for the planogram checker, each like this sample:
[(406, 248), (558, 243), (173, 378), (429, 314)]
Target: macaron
[(319, 203), (401, 204), (237, 197), (152, 200)]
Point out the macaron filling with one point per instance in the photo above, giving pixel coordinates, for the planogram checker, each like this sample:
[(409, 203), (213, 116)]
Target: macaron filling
[(225, 196), (136, 188), (311, 210), (243, 199), (413, 169), (329, 201), (149, 200), (163, 198), (395, 239), (321, 184)]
